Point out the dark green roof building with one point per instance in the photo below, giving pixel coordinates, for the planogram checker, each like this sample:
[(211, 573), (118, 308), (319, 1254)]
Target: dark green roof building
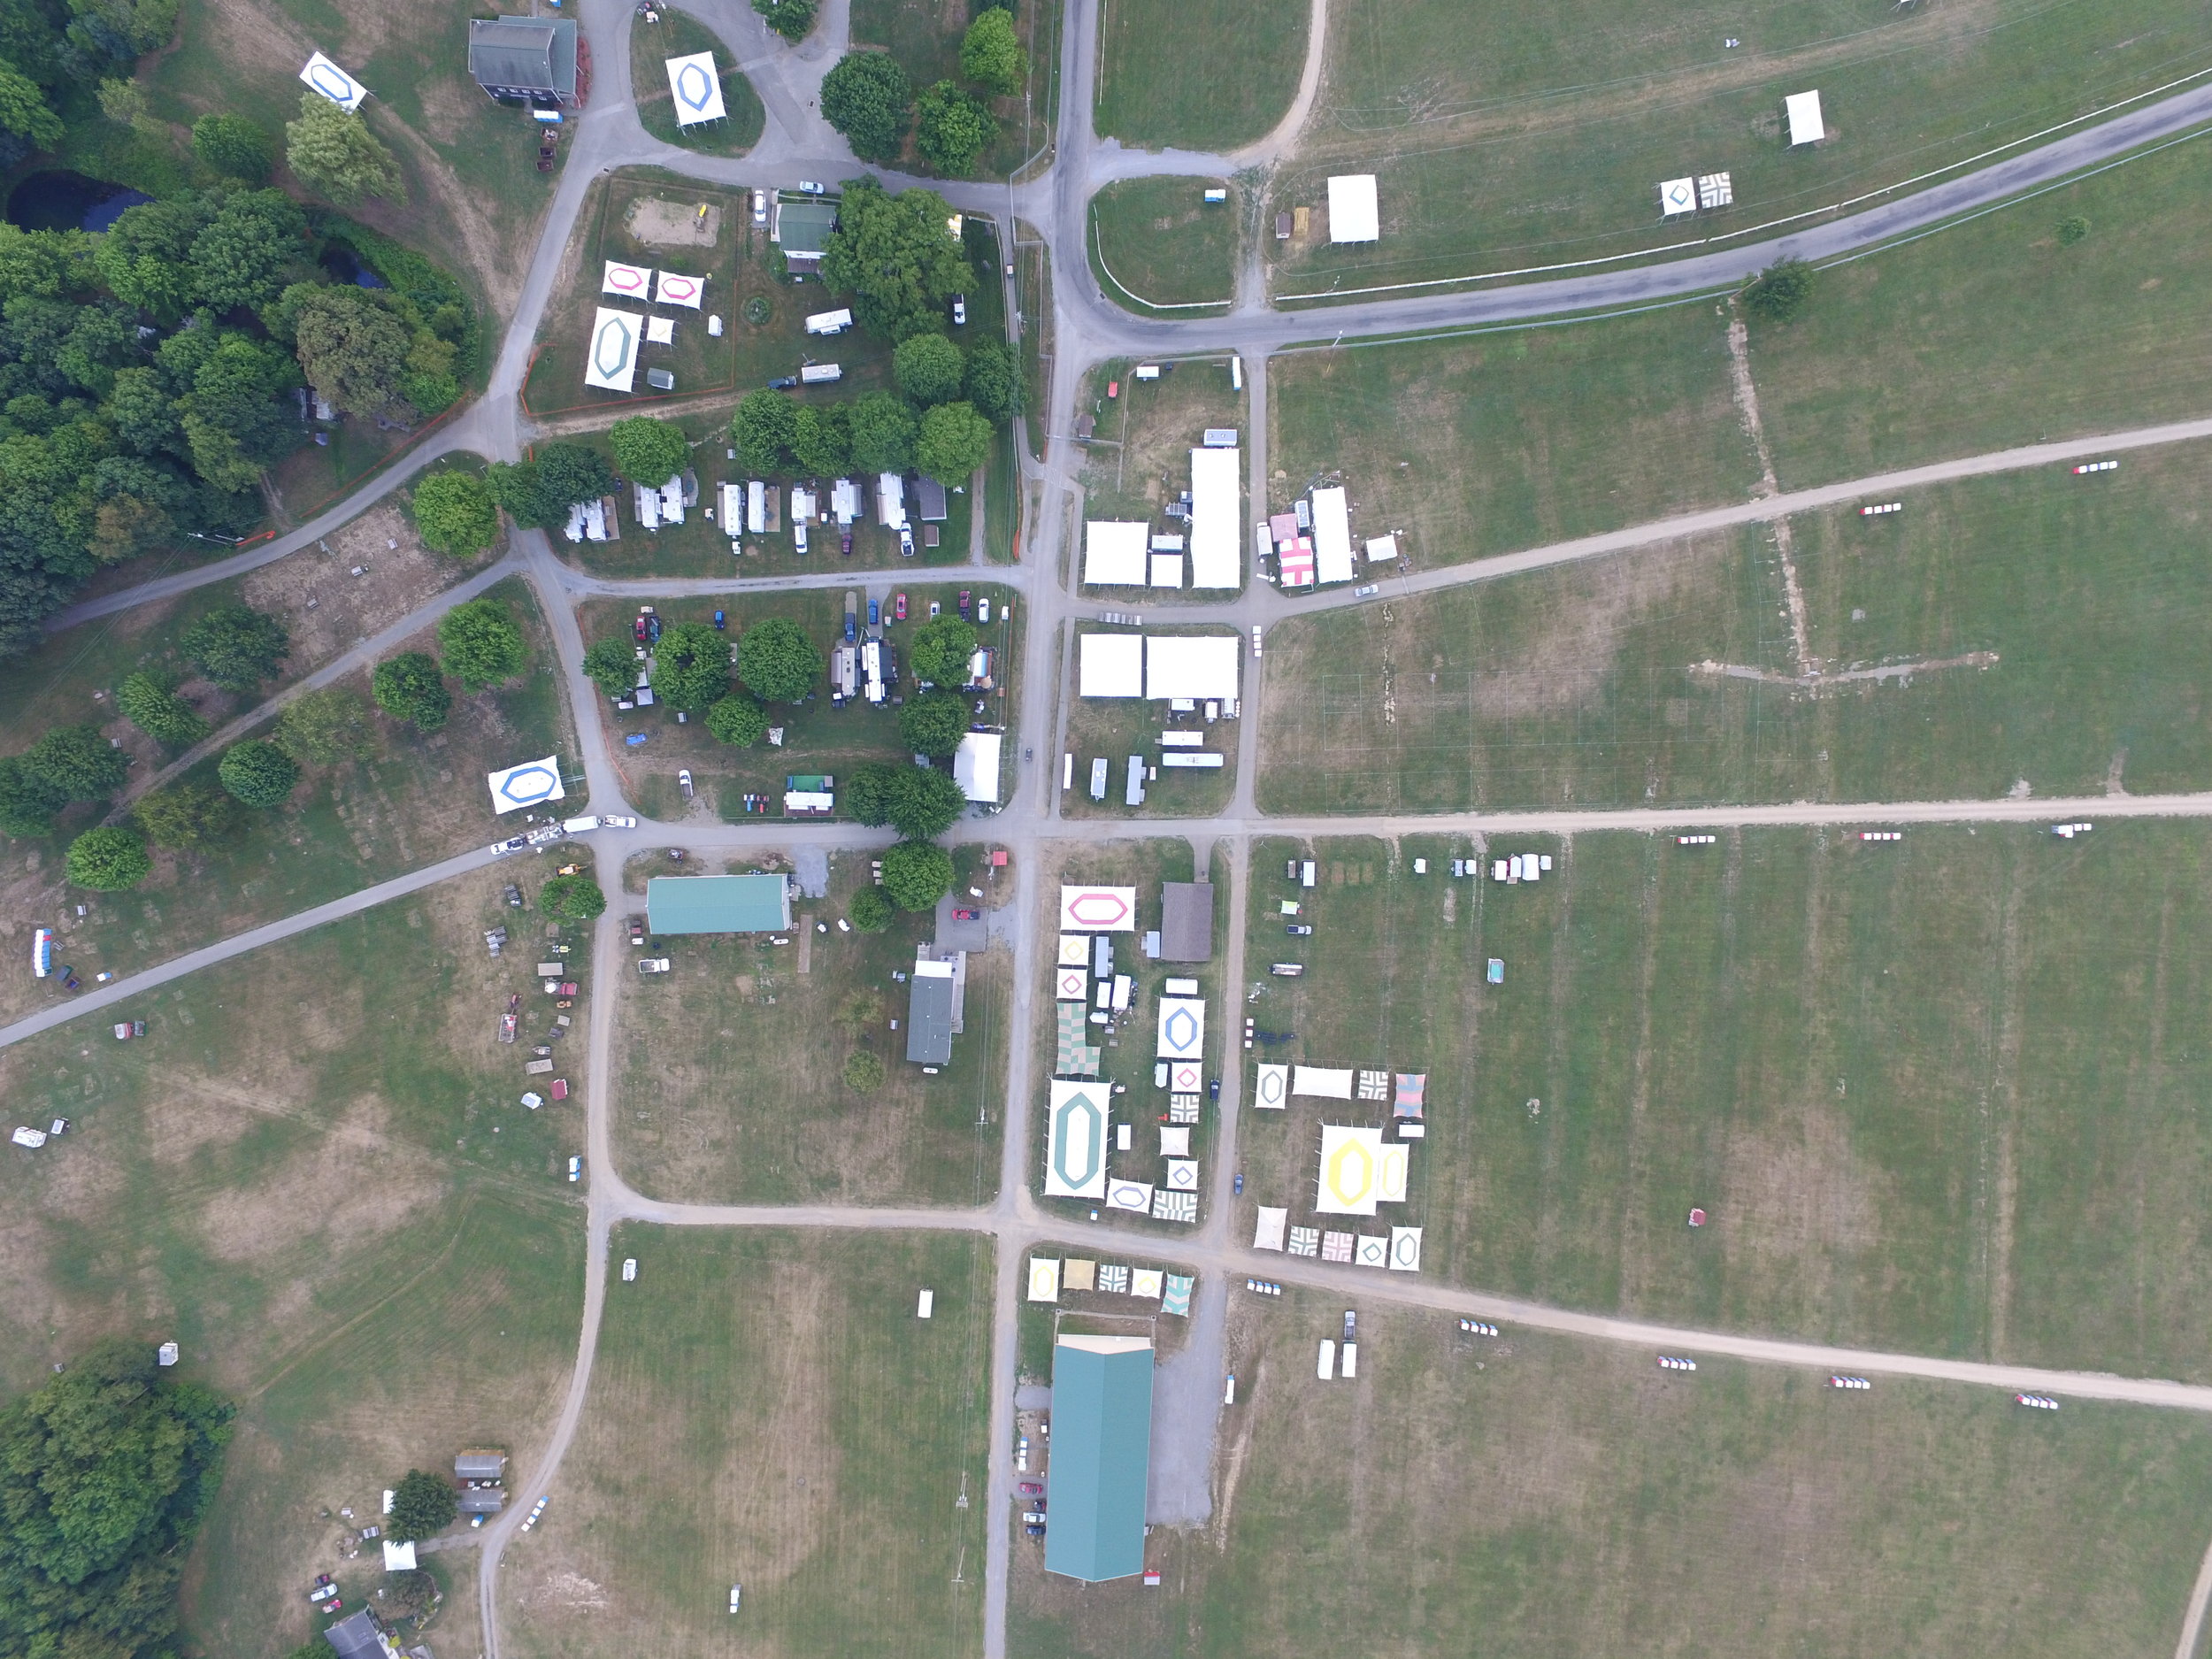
[(718, 904), (1101, 1445)]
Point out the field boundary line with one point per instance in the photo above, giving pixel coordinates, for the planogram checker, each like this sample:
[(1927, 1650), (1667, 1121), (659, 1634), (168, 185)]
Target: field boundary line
[(1098, 253)]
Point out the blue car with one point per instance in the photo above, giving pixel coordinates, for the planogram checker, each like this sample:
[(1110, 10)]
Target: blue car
[(720, 623), (875, 614)]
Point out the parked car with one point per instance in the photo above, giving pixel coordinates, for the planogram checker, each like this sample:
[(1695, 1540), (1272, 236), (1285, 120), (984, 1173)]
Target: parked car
[(652, 964), (875, 614), (512, 844), (961, 913), (1240, 1184), (720, 622), (811, 187), (1030, 1489), (617, 822), (683, 781), (576, 1168), (784, 383), (898, 607), (959, 311), (637, 930), (963, 601), (1367, 591), (1299, 930), (760, 207), (1213, 1089)]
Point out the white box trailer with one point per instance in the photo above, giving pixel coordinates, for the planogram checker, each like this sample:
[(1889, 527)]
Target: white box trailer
[(1324, 1364), (829, 322), (821, 374), (756, 507)]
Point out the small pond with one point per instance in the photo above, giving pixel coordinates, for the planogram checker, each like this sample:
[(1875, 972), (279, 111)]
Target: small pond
[(69, 201), (342, 264)]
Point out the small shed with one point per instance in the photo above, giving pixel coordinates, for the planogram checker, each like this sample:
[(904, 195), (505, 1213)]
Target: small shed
[(1187, 921), (929, 500), (480, 1466), (481, 1501)]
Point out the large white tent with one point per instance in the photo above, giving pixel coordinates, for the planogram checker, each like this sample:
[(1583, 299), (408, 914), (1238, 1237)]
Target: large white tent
[(1328, 1082), (1114, 553), (1182, 1035), (1268, 1233), (334, 83), (610, 363), (1354, 214), (1332, 536), (631, 281), (1192, 665), (1803, 109), (1216, 518), (1075, 1142), (975, 766), (1349, 1167), (672, 288), (697, 88), (530, 783), (1271, 1088), (1098, 909), (1113, 665)]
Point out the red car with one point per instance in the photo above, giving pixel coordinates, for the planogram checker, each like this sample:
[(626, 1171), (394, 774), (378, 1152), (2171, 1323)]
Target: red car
[(898, 608), (1031, 1489), (963, 915), (963, 601)]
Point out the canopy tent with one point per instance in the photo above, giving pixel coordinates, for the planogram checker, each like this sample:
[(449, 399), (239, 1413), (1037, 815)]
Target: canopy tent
[(1075, 1142), (660, 331), (1349, 1165), (1075, 949), (1676, 196), (1382, 546), (631, 281), (975, 766), (697, 88), (1192, 665), (334, 83), (1803, 109), (1182, 1029), (530, 783), (1390, 1172), (1078, 1273), (1412, 1094), (1074, 1054), (1186, 1077), (1405, 1249), (1370, 1249), (1332, 536), (1216, 518), (1174, 1143), (1098, 909), (1167, 569), (1134, 1196), (1268, 1236), (1044, 1279), (1325, 1082), (1355, 212), (1182, 1175), (612, 362), (671, 288), (1147, 1282), (1114, 553), (1113, 665), (1176, 1298), (1271, 1088)]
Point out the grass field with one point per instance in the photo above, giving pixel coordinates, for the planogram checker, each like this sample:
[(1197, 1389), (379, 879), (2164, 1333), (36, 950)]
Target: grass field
[(824, 1469), (312, 1163), (1509, 142), (1138, 460), (410, 803), (1580, 685), (1932, 1098), (1208, 75), (1533, 1495), (731, 1070), (672, 35), (924, 36), (1114, 728), (1159, 247)]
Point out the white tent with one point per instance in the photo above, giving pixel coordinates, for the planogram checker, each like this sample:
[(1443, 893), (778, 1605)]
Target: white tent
[(334, 83), (671, 288), (1136, 1196), (1075, 1142), (1175, 1143), (1182, 1175), (631, 281), (975, 766), (610, 363), (1071, 985), (660, 331), (1147, 1282), (399, 1558), (1182, 1035), (1803, 109), (1370, 1249), (1113, 665), (1349, 1160), (1113, 553), (1382, 546), (1270, 1089), (1676, 196), (1044, 1279), (1098, 909), (1192, 665), (1268, 1236), (530, 783), (1325, 1082), (1354, 212), (1332, 536), (697, 88), (1075, 950), (1390, 1172), (1405, 1249), (1167, 569), (1217, 519)]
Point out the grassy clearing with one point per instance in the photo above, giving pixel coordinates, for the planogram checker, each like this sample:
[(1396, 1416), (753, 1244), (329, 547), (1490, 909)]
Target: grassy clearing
[(672, 35), (273, 1182), (412, 803), (1468, 448), (1207, 75), (730, 1068), (924, 36), (1160, 245), (821, 1470), (1509, 142), (1754, 1506), (1579, 684), (1032, 292), (1114, 728), (1138, 460), (1931, 1097)]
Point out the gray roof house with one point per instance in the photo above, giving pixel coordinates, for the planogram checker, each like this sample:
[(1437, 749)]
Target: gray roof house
[(929, 496), (1187, 921), (358, 1636), (929, 1014), (531, 59)]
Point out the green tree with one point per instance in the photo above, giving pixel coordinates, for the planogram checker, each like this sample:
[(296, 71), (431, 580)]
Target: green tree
[(24, 111), (790, 19), (410, 687), (1780, 292), (738, 721), (822, 439), (117, 31), (991, 53), (323, 728), (895, 257), (78, 762), (422, 1506), (763, 430), (481, 644), (236, 646), (691, 667), (868, 98), (954, 128), (407, 1594), (611, 666), (925, 802), (151, 705), (868, 790), (863, 1071), (929, 369), (2071, 230), (145, 259), (332, 152), (571, 898), (882, 428), (104, 1475), (649, 451), (953, 442), (777, 662), (185, 815), (109, 860), (994, 381), (240, 258), (455, 514), (353, 351), (933, 723), (27, 801), (234, 145), (940, 650), (258, 773), (916, 874), (571, 473), (870, 912)]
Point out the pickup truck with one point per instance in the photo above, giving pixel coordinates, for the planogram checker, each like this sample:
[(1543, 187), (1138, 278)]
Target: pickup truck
[(512, 844), (652, 964), (545, 835)]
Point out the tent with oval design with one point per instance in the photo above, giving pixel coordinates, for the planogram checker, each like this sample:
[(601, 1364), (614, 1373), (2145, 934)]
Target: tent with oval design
[(697, 89), (1098, 909), (1351, 1169), (1075, 1142), (629, 282), (612, 362), (1182, 1028), (334, 83), (672, 288)]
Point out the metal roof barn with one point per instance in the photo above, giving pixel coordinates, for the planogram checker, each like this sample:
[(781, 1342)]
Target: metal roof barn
[(1187, 921), (929, 1014), (1101, 1436), (524, 58), (718, 904)]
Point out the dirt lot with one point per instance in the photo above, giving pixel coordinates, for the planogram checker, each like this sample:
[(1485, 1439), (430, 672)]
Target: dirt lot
[(657, 222), (325, 607)]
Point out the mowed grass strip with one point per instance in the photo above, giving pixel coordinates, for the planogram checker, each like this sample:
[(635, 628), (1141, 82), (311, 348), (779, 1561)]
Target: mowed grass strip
[(1933, 1095), (1516, 141), (769, 1402), (1161, 244), (1531, 1496), (2033, 626), (1198, 74)]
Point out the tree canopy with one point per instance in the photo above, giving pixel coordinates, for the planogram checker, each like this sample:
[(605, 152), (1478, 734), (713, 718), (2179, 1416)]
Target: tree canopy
[(868, 98), (481, 644), (916, 801), (422, 1505), (993, 382), (108, 859), (929, 369), (649, 451), (576, 898), (410, 687), (991, 53), (185, 815), (77, 763), (321, 728), (763, 429), (940, 650), (27, 801), (691, 667), (790, 19), (822, 438), (738, 721), (455, 514), (882, 432), (916, 874), (258, 773), (1780, 292), (894, 256), (611, 666), (234, 145), (538, 494), (332, 152), (953, 440), (933, 723), (236, 646), (870, 912), (151, 705), (353, 351), (778, 662), (954, 127)]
